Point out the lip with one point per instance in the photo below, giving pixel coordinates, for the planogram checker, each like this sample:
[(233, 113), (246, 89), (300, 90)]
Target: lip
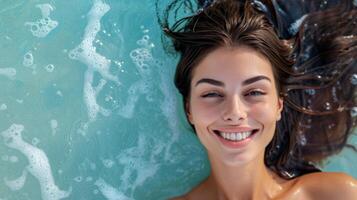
[(235, 144)]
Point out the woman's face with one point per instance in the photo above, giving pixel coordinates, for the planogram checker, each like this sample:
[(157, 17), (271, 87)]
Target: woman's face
[(233, 104)]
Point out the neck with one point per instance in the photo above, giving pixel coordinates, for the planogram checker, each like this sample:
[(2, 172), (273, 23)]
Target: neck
[(243, 181)]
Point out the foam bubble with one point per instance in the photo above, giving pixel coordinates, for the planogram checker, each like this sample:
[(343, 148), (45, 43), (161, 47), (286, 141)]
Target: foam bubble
[(28, 60), (43, 26), (143, 59), (86, 53), (8, 72), (137, 169), (127, 110), (39, 165), (78, 179), (109, 191), (3, 107), (18, 183), (50, 68), (108, 163), (35, 141)]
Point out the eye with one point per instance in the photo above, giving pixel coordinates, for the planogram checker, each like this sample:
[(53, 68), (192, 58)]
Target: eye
[(211, 94), (255, 93)]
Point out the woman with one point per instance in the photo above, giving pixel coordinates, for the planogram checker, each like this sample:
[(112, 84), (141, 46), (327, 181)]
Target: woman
[(267, 109)]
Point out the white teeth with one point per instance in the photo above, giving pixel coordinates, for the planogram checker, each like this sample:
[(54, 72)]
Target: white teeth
[(235, 136)]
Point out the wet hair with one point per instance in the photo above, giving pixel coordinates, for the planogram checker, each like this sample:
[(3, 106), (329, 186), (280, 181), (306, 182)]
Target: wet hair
[(314, 70)]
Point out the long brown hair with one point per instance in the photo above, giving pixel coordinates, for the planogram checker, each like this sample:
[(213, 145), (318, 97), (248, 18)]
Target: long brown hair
[(315, 72)]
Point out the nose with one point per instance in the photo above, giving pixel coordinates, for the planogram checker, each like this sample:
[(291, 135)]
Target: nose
[(234, 110)]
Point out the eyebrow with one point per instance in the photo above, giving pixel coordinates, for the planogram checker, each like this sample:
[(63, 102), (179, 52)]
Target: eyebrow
[(221, 84)]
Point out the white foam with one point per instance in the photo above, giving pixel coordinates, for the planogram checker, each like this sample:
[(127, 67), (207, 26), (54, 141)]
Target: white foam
[(140, 162), (8, 72), (143, 60), (18, 183), (54, 126), (50, 68), (127, 110), (39, 165), (86, 53), (42, 27), (28, 62), (28, 59), (108, 163), (109, 191), (142, 56), (3, 107), (169, 110)]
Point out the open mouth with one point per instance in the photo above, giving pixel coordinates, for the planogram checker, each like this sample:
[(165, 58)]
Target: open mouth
[(236, 136)]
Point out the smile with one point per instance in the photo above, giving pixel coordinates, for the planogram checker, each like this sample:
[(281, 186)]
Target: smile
[(235, 136), (235, 139)]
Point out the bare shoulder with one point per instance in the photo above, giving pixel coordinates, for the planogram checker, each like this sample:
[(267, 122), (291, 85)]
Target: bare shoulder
[(200, 192), (329, 185)]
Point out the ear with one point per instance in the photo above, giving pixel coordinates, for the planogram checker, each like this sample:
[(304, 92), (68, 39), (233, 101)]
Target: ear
[(188, 112), (280, 107)]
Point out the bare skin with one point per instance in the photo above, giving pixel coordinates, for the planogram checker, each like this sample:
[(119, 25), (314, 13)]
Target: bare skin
[(227, 98), (324, 185)]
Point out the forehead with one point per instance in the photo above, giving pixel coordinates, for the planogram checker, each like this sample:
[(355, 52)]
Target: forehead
[(237, 62)]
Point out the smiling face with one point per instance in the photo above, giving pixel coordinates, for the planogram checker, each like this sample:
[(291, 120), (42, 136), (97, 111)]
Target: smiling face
[(233, 104)]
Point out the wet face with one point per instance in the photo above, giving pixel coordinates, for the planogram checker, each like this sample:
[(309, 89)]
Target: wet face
[(234, 105)]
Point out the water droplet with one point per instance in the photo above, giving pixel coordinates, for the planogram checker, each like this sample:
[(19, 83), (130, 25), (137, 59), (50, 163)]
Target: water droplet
[(302, 139), (327, 106), (330, 126)]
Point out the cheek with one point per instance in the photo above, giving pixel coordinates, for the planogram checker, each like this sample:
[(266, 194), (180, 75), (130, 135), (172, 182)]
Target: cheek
[(264, 113), (203, 112)]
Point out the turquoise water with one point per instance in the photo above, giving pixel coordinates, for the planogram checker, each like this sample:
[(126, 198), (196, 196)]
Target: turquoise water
[(88, 109)]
